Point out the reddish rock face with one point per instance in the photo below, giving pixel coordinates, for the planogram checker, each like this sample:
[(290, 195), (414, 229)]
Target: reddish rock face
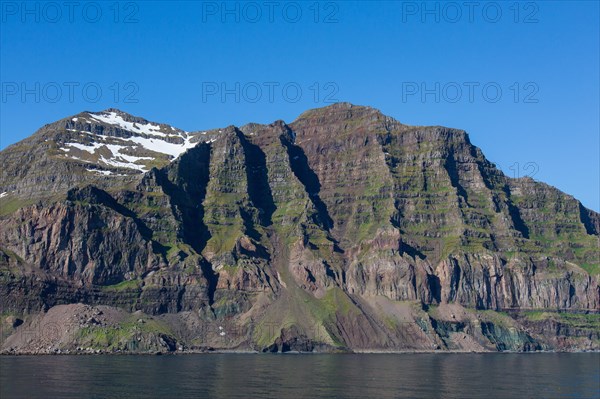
[(301, 227)]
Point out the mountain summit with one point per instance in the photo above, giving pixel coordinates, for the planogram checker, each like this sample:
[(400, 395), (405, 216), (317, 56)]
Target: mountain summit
[(342, 230)]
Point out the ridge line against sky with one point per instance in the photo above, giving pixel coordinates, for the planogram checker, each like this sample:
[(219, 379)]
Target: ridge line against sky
[(521, 78)]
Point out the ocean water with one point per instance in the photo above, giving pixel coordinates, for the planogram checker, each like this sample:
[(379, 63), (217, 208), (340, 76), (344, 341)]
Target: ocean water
[(293, 376)]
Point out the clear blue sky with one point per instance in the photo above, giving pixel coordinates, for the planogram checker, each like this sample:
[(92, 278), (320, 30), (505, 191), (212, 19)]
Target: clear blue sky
[(175, 58)]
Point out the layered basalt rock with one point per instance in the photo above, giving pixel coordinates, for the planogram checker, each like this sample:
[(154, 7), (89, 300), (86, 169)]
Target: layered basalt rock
[(302, 227)]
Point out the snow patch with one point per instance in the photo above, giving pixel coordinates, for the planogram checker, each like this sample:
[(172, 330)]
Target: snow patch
[(118, 158), (102, 172), (119, 146), (113, 118), (162, 146), (151, 144), (79, 159), (91, 148), (4, 194), (81, 131), (127, 165), (116, 151)]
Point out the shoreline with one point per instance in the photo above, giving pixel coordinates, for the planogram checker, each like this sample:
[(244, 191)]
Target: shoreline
[(251, 352)]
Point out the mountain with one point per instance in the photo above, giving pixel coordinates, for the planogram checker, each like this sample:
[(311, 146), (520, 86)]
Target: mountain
[(343, 230)]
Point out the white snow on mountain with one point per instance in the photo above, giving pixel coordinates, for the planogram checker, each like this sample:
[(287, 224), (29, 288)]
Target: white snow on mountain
[(162, 146), (121, 148), (91, 148), (112, 118), (118, 159), (101, 172), (119, 164), (146, 138)]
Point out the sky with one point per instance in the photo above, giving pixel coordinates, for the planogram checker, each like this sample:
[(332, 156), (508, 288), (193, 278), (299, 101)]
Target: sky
[(521, 78)]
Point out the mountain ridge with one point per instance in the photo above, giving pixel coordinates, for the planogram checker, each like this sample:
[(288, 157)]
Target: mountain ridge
[(342, 229)]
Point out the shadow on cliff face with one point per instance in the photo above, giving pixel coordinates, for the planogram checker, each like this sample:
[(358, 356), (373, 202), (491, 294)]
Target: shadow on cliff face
[(259, 189), (185, 182), (592, 227), (453, 173), (97, 196), (308, 178), (515, 215)]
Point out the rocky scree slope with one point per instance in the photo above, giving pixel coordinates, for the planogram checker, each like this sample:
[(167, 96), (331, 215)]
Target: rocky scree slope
[(344, 229)]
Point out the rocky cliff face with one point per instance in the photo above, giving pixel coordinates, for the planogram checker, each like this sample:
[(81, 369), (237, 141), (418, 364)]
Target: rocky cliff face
[(343, 229)]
